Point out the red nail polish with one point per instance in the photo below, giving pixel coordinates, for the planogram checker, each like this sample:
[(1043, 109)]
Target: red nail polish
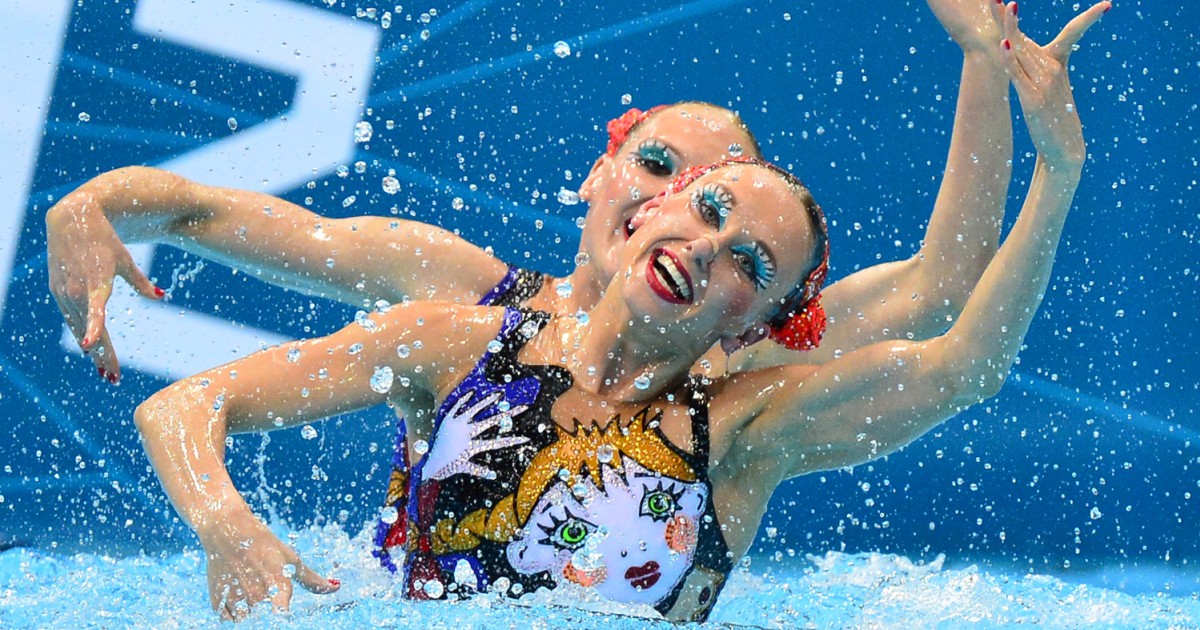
[(84, 342), (112, 378), (1014, 8), (102, 373), (159, 292), (1107, 9), (1007, 45), (335, 582)]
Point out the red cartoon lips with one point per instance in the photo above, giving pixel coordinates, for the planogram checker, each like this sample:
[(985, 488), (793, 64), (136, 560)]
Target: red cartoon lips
[(643, 577)]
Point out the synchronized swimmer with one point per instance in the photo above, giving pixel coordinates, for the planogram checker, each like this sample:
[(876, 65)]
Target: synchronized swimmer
[(552, 449)]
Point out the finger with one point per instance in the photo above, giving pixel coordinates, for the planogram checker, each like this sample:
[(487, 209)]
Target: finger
[(1063, 45), (1016, 44), (281, 601), (74, 318), (997, 9), (314, 582), (462, 400), (106, 359), (97, 303), (483, 402), (129, 270)]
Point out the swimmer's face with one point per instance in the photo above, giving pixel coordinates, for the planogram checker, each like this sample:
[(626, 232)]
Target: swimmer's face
[(632, 541), (660, 148), (715, 259)]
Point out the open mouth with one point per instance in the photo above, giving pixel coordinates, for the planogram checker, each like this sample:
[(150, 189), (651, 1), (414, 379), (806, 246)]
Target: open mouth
[(643, 577), (668, 278)]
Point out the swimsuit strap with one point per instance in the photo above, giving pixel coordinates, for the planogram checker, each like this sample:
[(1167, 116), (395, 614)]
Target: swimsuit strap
[(698, 399), (515, 288)]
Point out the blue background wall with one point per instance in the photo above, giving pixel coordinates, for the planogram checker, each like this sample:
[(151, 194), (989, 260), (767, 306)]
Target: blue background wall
[(1088, 458)]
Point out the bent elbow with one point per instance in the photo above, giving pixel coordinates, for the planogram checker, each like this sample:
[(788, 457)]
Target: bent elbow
[(973, 386)]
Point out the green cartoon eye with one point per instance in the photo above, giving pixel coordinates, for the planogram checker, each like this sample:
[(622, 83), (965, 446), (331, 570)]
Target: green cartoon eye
[(660, 503), (572, 532), (567, 533)]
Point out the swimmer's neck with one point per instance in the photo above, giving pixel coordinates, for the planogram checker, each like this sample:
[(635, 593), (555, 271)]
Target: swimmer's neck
[(571, 295), (617, 354)]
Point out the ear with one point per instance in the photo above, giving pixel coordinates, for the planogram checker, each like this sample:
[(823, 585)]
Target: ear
[(749, 337), (592, 181)]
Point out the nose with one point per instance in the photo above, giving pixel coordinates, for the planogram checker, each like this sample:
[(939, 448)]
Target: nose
[(703, 250)]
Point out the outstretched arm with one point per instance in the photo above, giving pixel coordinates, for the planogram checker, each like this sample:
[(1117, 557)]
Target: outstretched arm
[(881, 397), (353, 260), (184, 427), (920, 297)]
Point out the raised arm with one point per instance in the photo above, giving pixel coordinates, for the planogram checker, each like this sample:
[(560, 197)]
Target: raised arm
[(881, 397), (184, 428), (919, 297), (355, 260)]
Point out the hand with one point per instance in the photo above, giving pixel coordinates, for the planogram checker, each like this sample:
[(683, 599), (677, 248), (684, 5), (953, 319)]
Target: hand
[(84, 255), (972, 24), (248, 565), (456, 442), (1039, 74)]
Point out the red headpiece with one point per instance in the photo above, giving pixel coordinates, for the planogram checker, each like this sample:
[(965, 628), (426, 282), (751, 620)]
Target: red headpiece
[(801, 320), (619, 127)]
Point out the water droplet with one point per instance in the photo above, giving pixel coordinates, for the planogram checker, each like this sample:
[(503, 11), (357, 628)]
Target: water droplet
[(402, 351), (580, 490), (564, 289), (562, 49), (381, 380), (232, 122), (434, 588), (349, 201), (582, 259), (362, 319), (495, 346), (581, 316), (293, 355), (605, 453), (504, 406), (421, 447), (360, 167), (564, 474), (343, 170), (363, 131), (567, 197), (329, 263), (289, 571), (84, 116), (1095, 513), (457, 203), (642, 382), (355, 348), (635, 193), (386, 20), (389, 514), (308, 432), (626, 99), (304, 392), (219, 402), (736, 150), (580, 222), (425, 35)]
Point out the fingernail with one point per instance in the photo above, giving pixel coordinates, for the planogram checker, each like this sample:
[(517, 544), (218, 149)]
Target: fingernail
[(1007, 45), (1014, 8), (1107, 8), (102, 373), (112, 378), (159, 292), (84, 342), (334, 582)]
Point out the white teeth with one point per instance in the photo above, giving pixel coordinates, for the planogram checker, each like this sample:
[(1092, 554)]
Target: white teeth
[(677, 280)]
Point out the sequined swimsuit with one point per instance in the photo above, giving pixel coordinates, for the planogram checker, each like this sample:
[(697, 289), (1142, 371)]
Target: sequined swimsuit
[(515, 288), (506, 499)]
